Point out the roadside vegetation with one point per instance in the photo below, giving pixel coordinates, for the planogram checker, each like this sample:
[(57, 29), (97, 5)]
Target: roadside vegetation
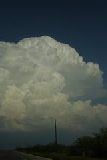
[(84, 148)]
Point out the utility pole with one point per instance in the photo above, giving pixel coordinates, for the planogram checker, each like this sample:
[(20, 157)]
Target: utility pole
[(55, 133)]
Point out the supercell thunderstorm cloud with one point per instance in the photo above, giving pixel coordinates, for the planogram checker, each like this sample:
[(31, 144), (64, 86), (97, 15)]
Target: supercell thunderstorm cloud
[(41, 78)]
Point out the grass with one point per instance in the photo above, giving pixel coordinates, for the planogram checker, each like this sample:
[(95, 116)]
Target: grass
[(62, 156)]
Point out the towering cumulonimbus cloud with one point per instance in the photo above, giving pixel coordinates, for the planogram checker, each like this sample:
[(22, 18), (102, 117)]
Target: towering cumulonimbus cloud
[(41, 79)]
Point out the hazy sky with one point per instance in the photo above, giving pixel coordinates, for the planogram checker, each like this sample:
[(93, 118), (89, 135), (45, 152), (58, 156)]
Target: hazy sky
[(45, 77)]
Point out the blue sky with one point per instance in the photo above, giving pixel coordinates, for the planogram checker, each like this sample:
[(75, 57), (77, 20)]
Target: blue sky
[(82, 25)]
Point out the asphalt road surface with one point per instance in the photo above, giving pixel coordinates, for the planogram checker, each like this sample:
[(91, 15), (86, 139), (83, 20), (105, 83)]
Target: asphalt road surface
[(14, 155)]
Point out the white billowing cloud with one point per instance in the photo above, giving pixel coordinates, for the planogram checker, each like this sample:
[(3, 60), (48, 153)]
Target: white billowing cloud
[(40, 78)]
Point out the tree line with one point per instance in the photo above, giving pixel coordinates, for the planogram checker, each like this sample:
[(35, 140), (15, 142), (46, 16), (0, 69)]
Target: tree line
[(92, 146), (85, 146)]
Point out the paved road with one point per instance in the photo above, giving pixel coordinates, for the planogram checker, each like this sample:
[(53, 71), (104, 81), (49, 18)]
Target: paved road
[(14, 155)]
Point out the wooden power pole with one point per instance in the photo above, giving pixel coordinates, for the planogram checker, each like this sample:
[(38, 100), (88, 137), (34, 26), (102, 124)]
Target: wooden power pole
[(55, 133)]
